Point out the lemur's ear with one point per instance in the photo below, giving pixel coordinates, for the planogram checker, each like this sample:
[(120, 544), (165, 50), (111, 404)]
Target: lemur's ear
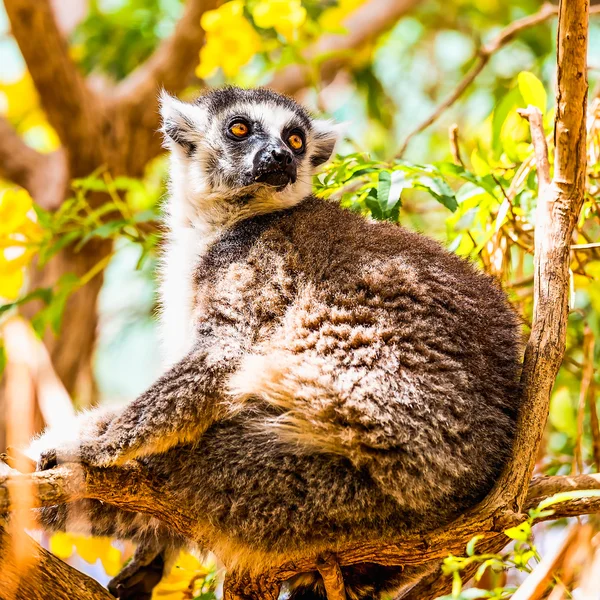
[(326, 135), (182, 122)]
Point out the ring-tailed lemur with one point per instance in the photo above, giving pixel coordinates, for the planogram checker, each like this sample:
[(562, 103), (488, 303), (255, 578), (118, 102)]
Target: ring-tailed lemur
[(333, 379)]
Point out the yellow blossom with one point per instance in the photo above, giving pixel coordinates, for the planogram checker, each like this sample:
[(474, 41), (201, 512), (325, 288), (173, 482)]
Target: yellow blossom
[(332, 18), (15, 203), (61, 545), (181, 578), (19, 236), (286, 16), (231, 41)]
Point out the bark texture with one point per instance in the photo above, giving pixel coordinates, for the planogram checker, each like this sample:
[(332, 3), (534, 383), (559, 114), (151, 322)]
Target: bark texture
[(559, 203)]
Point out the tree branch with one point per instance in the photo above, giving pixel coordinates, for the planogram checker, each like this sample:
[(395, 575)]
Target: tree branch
[(72, 109), (44, 176), (365, 24), (43, 575), (558, 208), (481, 58), (171, 67)]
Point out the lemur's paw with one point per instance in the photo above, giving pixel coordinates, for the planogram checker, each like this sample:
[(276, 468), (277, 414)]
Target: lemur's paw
[(47, 460), (104, 451), (136, 581), (52, 457)]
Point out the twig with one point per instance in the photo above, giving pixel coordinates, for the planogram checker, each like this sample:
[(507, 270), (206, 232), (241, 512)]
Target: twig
[(540, 147), (585, 246), (333, 581), (454, 147), (366, 23), (482, 57), (595, 425)]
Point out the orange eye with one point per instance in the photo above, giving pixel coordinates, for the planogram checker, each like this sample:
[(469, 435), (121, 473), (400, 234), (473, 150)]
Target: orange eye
[(295, 141), (239, 129)]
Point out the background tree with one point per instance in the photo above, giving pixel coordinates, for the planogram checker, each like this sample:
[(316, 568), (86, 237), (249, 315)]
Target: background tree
[(419, 83)]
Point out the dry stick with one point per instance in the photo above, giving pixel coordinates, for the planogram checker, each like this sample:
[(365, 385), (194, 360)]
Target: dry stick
[(454, 147), (586, 380), (482, 57), (333, 581), (71, 107), (559, 204), (594, 424)]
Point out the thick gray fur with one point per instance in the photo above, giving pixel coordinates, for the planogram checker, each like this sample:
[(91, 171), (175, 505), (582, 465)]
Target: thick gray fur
[(346, 380)]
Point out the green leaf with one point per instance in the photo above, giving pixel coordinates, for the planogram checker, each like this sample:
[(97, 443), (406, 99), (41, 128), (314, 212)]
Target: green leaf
[(567, 496), (383, 188), (43, 294), (471, 544), (532, 90), (521, 532), (509, 103)]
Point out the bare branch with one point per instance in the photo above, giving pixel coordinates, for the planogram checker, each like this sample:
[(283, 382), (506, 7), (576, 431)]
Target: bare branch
[(170, 67), (69, 104), (454, 146), (333, 581), (44, 176), (540, 147), (365, 24), (482, 57), (43, 575), (558, 208)]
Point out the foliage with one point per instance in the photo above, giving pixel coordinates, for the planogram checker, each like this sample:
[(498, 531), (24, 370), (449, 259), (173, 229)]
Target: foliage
[(480, 199)]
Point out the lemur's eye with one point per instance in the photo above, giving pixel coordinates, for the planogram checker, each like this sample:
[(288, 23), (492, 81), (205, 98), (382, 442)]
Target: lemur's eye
[(296, 142), (239, 129)]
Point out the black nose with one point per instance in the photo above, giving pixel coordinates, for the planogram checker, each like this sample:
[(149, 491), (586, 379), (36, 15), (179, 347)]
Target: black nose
[(282, 157)]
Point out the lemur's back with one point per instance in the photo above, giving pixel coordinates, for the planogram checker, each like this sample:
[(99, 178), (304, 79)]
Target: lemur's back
[(333, 379), (372, 343)]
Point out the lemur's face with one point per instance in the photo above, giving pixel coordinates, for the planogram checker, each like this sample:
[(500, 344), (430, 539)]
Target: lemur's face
[(232, 138)]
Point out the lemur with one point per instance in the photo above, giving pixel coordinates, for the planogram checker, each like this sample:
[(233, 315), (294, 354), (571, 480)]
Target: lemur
[(333, 379)]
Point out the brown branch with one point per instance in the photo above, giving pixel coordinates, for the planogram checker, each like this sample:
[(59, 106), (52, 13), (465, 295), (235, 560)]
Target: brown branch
[(540, 147), (333, 581), (129, 488), (42, 575), (171, 67), (558, 208), (481, 58), (72, 109), (172, 64), (44, 176), (365, 24)]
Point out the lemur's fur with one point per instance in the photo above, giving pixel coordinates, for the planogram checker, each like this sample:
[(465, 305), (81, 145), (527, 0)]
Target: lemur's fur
[(333, 379)]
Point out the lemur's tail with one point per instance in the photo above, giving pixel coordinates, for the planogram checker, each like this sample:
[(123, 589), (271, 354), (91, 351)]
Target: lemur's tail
[(367, 581)]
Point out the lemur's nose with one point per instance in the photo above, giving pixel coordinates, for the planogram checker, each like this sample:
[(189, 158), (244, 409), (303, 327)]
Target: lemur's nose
[(282, 157)]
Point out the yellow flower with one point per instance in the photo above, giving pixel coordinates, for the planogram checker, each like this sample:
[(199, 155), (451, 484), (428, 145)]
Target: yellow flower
[(231, 41), (14, 205), (93, 548), (286, 16), (332, 18), (18, 233), (186, 570), (61, 545)]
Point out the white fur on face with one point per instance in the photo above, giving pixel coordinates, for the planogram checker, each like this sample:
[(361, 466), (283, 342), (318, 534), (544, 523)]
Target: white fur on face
[(198, 211)]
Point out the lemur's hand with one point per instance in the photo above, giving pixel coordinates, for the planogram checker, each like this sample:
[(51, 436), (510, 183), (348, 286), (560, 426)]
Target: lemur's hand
[(67, 443)]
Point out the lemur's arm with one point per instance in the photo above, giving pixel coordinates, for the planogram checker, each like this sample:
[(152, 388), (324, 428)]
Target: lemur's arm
[(176, 409)]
